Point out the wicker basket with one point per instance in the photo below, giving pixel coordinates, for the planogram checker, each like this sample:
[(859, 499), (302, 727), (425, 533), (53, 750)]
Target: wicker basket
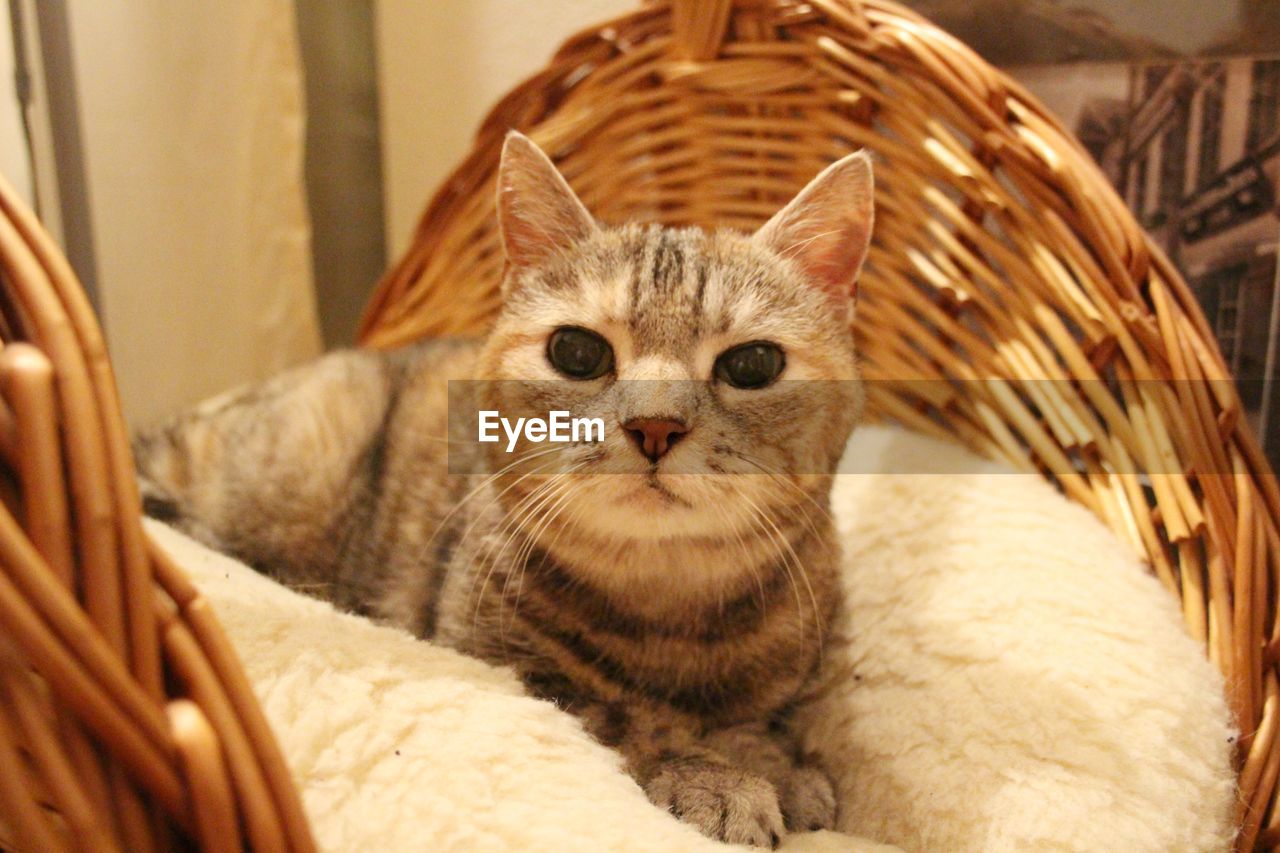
[(1002, 255), (1006, 273), (126, 722)]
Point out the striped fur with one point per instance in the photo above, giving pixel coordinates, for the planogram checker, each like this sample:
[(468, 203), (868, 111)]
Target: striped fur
[(677, 607)]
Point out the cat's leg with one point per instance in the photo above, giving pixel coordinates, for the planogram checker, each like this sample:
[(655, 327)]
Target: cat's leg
[(680, 772), (724, 801), (805, 793)]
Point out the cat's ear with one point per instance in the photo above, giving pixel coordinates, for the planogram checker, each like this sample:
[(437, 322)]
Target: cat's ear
[(538, 214), (826, 229)]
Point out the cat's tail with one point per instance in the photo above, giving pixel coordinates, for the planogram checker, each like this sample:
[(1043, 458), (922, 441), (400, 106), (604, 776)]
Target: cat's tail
[(158, 461), (159, 504)]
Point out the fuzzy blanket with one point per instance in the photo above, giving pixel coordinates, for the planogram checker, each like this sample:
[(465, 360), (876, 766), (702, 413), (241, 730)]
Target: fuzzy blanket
[(1007, 678)]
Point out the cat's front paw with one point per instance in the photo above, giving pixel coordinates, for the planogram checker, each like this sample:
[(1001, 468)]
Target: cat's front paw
[(723, 802), (808, 800)]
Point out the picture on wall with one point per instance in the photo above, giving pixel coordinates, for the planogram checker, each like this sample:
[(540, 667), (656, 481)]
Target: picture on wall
[(1193, 146), (1056, 31)]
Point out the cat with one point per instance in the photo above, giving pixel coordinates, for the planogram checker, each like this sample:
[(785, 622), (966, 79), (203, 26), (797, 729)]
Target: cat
[(670, 584)]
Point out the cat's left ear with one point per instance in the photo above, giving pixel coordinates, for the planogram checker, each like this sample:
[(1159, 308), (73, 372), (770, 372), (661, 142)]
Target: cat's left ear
[(538, 214), (826, 229)]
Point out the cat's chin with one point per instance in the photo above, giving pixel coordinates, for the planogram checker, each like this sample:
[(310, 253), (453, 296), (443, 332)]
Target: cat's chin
[(650, 507), (658, 491)]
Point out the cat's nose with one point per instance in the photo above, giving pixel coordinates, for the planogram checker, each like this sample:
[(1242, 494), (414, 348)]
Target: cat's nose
[(655, 436)]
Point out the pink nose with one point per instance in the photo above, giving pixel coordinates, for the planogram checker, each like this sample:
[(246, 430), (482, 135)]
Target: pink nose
[(654, 436)]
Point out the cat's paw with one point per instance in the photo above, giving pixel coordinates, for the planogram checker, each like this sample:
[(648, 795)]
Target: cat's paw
[(808, 801), (723, 802)]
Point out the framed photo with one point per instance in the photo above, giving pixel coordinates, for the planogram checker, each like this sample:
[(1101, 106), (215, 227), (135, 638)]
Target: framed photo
[(1193, 145), (1179, 102), (1056, 31)]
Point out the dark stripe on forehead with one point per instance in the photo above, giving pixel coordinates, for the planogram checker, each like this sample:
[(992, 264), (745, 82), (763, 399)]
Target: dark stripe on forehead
[(559, 278), (657, 259), (647, 274), (700, 294), (668, 264), (635, 254), (664, 311)]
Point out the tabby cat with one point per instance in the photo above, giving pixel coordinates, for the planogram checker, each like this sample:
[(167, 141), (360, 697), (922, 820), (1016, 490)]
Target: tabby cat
[(670, 584)]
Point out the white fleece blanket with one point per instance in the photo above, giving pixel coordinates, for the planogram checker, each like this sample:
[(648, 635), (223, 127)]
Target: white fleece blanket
[(1008, 678)]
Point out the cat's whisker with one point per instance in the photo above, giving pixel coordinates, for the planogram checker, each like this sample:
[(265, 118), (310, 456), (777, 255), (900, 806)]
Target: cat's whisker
[(780, 478), (495, 530), (514, 515), (783, 480), (491, 478), (561, 495), (734, 522), (748, 557), (557, 489), (758, 517), (802, 570), (522, 561), (462, 540), (796, 513), (794, 559), (480, 514), (521, 514)]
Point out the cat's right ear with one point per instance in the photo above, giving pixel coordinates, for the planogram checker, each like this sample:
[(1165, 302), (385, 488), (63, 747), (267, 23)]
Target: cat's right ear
[(538, 214)]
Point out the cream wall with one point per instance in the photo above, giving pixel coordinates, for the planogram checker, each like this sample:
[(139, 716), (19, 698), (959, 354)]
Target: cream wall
[(192, 121), (14, 163), (441, 65)]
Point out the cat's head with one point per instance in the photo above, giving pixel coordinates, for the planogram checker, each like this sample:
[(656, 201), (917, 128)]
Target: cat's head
[(721, 364)]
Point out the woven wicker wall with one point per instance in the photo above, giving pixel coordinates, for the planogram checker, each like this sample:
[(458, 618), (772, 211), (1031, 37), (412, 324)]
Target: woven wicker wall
[(126, 722), (1011, 302)]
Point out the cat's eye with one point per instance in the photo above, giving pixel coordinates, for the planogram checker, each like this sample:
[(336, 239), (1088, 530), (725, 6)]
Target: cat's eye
[(752, 365), (579, 353)]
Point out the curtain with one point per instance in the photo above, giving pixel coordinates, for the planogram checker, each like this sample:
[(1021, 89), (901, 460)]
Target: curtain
[(441, 65), (193, 122), (14, 163)]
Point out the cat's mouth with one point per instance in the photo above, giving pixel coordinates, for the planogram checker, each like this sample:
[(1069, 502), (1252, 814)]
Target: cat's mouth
[(655, 487)]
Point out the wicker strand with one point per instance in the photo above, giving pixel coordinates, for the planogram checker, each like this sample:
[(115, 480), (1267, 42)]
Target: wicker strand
[(105, 755), (699, 27)]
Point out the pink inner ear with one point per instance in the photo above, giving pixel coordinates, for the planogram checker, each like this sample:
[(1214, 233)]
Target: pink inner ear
[(833, 257), (825, 229), (538, 213), (530, 235), (538, 219)]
